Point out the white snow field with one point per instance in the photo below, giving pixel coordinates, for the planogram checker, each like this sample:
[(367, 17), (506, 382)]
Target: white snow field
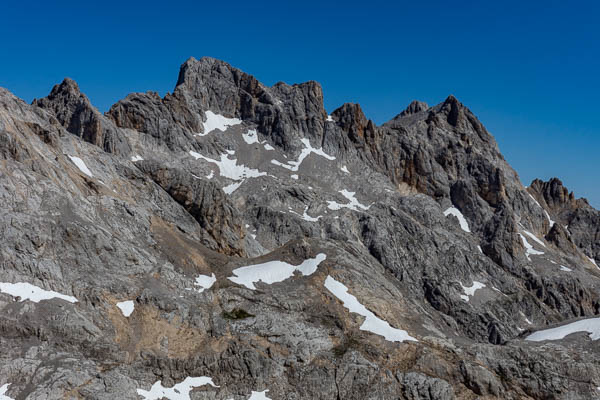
[(251, 136), (535, 201), (217, 121), (3, 390), (229, 168), (259, 395), (273, 271), (306, 151), (205, 282), (305, 215), (464, 225), (470, 290), (353, 202), (81, 165), (232, 187), (180, 391), (371, 323), (591, 325), (529, 250), (535, 238), (126, 307), (27, 291)]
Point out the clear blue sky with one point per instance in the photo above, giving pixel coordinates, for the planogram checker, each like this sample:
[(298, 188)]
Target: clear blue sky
[(529, 70)]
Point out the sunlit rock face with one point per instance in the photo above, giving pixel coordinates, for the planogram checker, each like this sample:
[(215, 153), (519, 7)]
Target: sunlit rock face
[(236, 241)]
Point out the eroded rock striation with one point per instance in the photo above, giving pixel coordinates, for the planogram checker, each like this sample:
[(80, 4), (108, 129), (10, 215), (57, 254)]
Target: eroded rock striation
[(423, 226)]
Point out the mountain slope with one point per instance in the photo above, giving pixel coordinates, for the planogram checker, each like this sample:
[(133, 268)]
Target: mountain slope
[(238, 232)]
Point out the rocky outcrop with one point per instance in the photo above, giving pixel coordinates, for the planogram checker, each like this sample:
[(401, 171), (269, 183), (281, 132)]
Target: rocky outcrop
[(75, 112), (288, 252), (414, 107), (576, 215), (282, 112), (206, 202)]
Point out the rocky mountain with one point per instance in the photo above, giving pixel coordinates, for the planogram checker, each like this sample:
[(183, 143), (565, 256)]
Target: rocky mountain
[(235, 241)]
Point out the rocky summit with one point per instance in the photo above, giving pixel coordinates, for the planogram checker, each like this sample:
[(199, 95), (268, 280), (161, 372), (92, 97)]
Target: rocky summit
[(235, 241)]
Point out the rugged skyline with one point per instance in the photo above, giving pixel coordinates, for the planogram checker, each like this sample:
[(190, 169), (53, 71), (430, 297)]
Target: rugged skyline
[(233, 240), (529, 70)]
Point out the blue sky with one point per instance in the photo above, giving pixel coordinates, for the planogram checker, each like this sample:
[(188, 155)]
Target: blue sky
[(528, 70)]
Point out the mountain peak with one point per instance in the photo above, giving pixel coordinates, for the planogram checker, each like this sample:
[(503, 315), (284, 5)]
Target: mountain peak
[(68, 87), (76, 113), (421, 225), (414, 107), (555, 194)]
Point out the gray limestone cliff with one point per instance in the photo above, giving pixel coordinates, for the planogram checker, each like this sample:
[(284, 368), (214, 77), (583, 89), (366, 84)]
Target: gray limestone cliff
[(242, 233)]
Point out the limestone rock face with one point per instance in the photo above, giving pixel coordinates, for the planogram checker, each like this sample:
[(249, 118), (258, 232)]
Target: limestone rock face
[(241, 233), (203, 200), (579, 219), (75, 112)]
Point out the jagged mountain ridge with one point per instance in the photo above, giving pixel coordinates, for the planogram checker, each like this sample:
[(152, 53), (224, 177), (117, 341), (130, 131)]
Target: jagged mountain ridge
[(168, 201)]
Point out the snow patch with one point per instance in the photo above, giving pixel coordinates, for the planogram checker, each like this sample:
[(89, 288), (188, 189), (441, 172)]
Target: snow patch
[(535, 238), (27, 291), (529, 250), (180, 391), (480, 250), (217, 121), (329, 119), (126, 307), (591, 325), (543, 209), (294, 176), (345, 169), (205, 282), (353, 202), (592, 261), (306, 151), (136, 157), (211, 175), (229, 168), (461, 218), (563, 268), (371, 323), (470, 290), (232, 187), (259, 395), (305, 215), (251, 136), (525, 317), (550, 220), (267, 146), (273, 271), (535, 201), (81, 165), (3, 390), (280, 164)]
